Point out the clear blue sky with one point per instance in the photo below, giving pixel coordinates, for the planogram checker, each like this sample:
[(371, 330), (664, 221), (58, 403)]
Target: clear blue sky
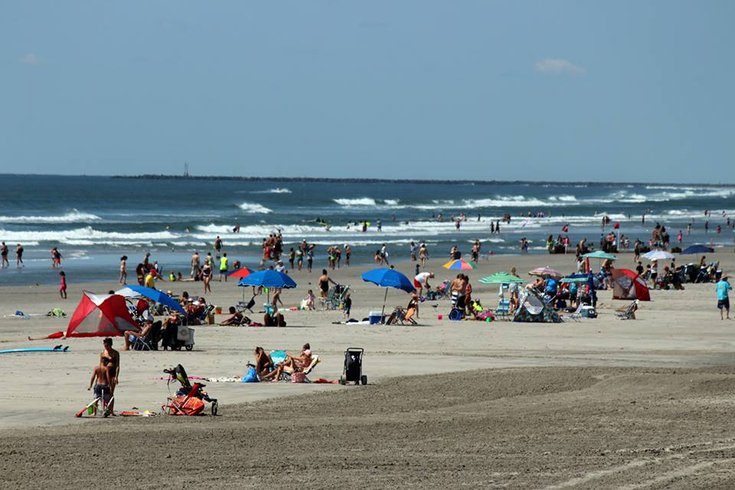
[(559, 90)]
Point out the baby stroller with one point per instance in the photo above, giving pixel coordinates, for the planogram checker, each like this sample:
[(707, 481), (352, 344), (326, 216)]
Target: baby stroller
[(189, 399), (336, 296), (352, 372)]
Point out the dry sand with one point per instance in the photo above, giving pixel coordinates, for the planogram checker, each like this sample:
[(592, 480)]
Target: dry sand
[(595, 403)]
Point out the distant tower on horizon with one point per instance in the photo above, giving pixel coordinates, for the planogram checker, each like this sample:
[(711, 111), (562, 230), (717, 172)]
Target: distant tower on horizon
[(186, 169)]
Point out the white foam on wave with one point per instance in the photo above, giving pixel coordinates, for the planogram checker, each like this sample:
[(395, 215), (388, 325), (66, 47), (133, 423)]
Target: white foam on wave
[(83, 236), (73, 216), (254, 208), (277, 190), (359, 201)]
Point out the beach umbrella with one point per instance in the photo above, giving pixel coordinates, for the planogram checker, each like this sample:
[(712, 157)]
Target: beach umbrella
[(697, 249), (268, 278), (388, 278), (599, 254), (240, 273), (659, 255), (545, 271), (578, 278), (501, 278), (459, 265), (135, 291)]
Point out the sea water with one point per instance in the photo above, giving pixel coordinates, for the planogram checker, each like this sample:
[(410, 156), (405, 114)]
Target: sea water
[(95, 220)]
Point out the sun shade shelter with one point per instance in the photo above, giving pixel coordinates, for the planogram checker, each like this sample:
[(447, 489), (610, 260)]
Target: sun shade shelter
[(100, 315), (629, 285)]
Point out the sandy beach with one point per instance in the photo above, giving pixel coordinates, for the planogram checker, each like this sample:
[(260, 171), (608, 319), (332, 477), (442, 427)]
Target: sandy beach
[(592, 403)]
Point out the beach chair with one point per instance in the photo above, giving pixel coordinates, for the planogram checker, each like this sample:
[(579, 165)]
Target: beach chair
[(503, 309), (576, 315), (628, 312), (150, 341)]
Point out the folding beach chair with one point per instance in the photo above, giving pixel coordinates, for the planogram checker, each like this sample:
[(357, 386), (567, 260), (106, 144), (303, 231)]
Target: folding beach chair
[(628, 312), (503, 309)]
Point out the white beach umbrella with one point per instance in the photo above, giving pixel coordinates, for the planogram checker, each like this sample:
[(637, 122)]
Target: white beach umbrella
[(659, 255)]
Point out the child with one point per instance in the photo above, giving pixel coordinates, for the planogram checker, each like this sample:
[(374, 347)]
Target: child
[(62, 285), (347, 305), (310, 298), (102, 388)]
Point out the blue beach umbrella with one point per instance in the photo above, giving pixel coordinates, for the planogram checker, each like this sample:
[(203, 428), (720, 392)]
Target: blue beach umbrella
[(268, 278), (388, 278), (697, 249), (152, 294)]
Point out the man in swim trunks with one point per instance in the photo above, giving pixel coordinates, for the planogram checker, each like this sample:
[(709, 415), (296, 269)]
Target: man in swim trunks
[(324, 281), (421, 281), (102, 387), (4, 253)]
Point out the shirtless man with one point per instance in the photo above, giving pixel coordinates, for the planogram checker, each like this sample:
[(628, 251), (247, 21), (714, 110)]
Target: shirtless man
[(102, 387), (4, 253)]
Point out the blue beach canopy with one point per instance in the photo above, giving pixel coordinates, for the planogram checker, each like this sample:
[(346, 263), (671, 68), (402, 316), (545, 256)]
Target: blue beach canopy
[(697, 249), (388, 278), (157, 296), (269, 279)]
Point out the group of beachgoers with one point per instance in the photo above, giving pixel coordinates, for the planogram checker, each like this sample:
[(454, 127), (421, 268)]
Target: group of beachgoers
[(4, 251)]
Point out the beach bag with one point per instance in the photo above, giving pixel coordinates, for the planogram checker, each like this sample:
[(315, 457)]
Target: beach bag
[(298, 377), (251, 376)]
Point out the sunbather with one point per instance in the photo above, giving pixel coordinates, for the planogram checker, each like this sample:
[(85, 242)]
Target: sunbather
[(263, 363), (128, 334), (292, 363), (234, 319)]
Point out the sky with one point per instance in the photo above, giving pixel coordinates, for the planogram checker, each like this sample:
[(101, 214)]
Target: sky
[(513, 90)]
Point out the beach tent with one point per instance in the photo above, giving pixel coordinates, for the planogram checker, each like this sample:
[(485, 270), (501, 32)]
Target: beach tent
[(100, 315), (532, 308), (628, 285)]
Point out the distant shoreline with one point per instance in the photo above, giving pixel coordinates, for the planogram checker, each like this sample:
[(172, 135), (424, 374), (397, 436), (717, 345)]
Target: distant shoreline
[(369, 180)]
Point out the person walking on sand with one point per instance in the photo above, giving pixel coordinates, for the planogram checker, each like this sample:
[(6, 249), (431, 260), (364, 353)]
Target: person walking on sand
[(4, 253), (223, 267), (19, 256), (62, 285), (124, 269), (723, 300), (195, 265)]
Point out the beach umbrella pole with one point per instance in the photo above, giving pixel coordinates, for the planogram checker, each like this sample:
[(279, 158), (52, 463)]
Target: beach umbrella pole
[(385, 299)]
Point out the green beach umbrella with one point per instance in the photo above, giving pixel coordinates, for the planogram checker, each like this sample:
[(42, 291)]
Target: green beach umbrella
[(501, 278), (599, 254)]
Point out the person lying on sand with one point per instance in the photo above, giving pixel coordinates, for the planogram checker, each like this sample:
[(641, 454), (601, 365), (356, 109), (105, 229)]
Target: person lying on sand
[(234, 319)]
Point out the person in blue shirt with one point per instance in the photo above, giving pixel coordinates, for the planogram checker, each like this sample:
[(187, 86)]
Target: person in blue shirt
[(723, 301)]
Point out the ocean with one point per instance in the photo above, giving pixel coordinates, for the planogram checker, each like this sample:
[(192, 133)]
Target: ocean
[(95, 220)]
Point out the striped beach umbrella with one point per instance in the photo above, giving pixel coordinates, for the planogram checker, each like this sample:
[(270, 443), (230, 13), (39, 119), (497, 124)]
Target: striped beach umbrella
[(459, 265)]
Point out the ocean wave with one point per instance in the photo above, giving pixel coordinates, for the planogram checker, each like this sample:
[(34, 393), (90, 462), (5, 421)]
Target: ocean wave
[(277, 190), (73, 216), (81, 236), (360, 201), (254, 208)]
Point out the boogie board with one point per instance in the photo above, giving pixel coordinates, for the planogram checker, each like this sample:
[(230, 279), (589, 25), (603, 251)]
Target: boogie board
[(58, 348)]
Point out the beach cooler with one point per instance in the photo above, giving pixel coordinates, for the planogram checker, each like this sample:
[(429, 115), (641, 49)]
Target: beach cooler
[(374, 317), (588, 312)]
